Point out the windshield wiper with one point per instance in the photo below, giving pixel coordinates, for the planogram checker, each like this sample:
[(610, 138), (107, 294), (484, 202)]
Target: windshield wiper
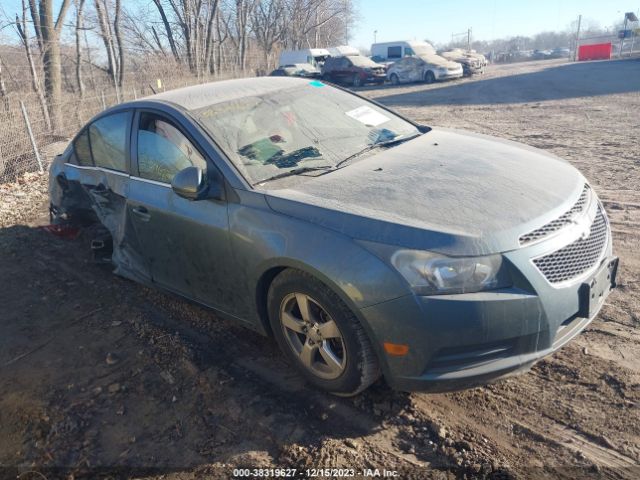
[(295, 171), (373, 146)]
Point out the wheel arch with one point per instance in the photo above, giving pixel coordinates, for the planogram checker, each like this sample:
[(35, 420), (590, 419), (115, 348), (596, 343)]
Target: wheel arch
[(277, 266), (271, 270)]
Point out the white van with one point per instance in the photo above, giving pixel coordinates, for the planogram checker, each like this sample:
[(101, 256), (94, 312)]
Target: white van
[(343, 51), (392, 51), (313, 56)]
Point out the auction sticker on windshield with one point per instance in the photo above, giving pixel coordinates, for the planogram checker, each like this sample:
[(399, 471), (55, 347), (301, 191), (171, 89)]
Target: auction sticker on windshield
[(368, 116)]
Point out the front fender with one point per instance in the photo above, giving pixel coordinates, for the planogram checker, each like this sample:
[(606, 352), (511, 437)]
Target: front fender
[(263, 240)]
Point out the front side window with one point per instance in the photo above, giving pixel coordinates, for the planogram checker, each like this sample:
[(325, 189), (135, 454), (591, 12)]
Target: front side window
[(163, 150), (306, 125), (108, 137), (408, 52)]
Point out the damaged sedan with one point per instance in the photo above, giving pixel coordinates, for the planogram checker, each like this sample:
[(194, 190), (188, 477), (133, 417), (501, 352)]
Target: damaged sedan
[(365, 244)]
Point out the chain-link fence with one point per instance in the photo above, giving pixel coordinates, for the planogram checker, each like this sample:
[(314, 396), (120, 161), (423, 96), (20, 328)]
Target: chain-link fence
[(25, 132)]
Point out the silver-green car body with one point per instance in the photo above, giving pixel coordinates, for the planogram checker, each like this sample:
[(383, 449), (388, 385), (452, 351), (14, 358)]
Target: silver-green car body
[(477, 255)]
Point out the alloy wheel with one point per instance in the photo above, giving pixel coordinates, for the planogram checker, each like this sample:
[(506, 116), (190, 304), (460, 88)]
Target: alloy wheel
[(313, 336)]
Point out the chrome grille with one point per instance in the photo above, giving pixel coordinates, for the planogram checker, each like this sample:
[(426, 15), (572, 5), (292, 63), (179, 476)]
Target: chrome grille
[(577, 257), (560, 222)]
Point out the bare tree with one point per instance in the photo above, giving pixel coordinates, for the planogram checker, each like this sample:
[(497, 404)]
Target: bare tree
[(3, 88), (269, 26), (50, 33), (107, 39), (212, 13), (168, 30), (21, 26), (35, 18), (79, 7), (118, 34), (307, 18), (237, 25)]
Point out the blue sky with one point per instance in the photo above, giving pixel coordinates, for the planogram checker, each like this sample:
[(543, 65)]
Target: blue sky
[(438, 19), (489, 19)]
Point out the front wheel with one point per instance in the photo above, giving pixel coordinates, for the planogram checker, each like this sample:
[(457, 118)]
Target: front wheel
[(394, 79), (429, 77), (357, 81), (319, 335)]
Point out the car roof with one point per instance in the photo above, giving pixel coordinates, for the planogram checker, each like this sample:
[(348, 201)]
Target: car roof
[(199, 96)]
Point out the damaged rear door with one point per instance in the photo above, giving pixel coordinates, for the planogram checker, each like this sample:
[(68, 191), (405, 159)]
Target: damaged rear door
[(185, 242), (96, 178)]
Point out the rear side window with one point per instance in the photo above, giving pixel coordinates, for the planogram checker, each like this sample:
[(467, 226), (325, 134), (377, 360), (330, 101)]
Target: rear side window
[(108, 138), (82, 149), (394, 52), (163, 150)]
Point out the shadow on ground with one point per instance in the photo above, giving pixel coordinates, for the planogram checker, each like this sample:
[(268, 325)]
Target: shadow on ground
[(100, 376)]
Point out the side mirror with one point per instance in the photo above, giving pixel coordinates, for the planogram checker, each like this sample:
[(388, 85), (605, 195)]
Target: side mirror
[(190, 183)]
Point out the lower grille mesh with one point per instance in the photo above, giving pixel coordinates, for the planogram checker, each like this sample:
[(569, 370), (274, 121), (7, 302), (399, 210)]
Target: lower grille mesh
[(578, 257)]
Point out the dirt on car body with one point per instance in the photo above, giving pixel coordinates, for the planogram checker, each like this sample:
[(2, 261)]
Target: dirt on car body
[(100, 376)]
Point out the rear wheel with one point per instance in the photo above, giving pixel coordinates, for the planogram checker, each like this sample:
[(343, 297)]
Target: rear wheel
[(394, 79), (319, 335), (429, 77), (357, 81)]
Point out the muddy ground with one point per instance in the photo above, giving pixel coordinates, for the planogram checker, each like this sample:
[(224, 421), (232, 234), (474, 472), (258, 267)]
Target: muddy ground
[(103, 378)]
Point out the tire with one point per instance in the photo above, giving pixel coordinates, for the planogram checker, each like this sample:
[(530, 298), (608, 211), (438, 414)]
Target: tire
[(357, 81), (394, 79), (429, 77), (335, 355)]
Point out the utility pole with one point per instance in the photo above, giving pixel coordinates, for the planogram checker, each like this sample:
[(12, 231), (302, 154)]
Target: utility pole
[(469, 39), (346, 21), (575, 54), (375, 36), (624, 32)]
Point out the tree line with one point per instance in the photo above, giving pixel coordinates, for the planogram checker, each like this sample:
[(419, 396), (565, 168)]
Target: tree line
[(203, 37)]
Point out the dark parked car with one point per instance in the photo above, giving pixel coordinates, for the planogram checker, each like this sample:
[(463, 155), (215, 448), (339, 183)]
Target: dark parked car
[(364, 243), (560, 53), (541, 55), (305, 70), (353, 70)]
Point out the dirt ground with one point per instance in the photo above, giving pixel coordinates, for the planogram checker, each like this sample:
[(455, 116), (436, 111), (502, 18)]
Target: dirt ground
[(103, 378)]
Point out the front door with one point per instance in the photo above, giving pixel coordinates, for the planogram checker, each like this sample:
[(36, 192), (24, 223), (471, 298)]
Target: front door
[(186, 243)]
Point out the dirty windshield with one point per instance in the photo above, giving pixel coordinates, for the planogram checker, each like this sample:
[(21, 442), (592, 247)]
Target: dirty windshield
[(298, 129)]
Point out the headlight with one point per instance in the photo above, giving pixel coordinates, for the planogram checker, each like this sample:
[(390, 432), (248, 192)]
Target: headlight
[(430, 273)]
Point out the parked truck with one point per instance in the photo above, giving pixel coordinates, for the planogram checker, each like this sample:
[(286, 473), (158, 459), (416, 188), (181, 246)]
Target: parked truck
[(312, 56)]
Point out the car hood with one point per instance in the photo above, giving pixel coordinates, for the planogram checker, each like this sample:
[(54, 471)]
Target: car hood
[(452, 192), (439, 61)]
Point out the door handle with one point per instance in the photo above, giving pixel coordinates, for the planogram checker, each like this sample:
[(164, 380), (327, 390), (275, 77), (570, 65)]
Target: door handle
[(142, 213)]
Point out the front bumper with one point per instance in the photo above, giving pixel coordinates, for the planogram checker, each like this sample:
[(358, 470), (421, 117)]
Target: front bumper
[(466, 340), (449, 75), (375, 78), (471, 69)]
